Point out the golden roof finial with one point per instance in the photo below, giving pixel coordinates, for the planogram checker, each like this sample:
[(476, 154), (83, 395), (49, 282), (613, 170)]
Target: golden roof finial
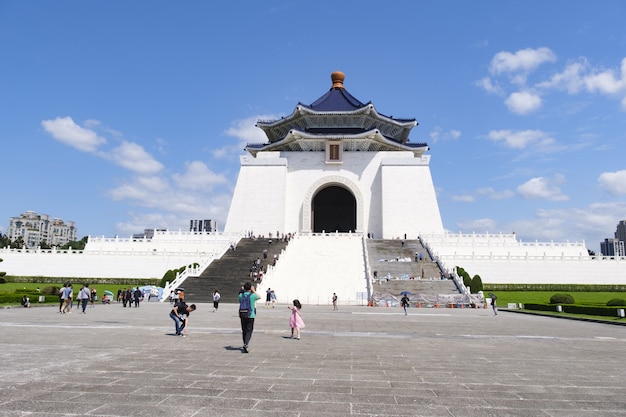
[(337, 77)]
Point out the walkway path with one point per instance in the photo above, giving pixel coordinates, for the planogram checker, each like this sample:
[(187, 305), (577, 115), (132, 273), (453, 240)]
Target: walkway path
[(356, 361)]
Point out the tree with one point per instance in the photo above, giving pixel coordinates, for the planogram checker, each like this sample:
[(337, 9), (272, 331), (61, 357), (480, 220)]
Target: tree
[(477, 284), (18, 243), (76, 244), (5, 242)]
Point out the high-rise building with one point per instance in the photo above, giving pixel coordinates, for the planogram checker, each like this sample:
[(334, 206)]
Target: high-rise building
[(620, 233), (36, 228), (612, 247), (202, 226)]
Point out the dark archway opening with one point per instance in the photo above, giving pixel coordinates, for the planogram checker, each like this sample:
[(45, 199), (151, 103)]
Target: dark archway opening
[(334, 209)]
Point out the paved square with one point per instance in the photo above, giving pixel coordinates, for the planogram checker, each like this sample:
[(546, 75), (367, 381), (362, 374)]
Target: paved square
[(357, 361)]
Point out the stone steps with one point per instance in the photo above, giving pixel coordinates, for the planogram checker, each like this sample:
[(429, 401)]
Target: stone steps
[(231, 271), (396, 261)]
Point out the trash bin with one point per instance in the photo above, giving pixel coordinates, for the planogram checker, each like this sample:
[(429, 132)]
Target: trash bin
[(42, 298)]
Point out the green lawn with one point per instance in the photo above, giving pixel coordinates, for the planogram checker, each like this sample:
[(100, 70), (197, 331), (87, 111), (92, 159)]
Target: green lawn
[(20, 288), (543, 297)]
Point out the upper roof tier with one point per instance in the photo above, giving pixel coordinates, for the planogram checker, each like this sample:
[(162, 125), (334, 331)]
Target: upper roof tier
[(338, 112)]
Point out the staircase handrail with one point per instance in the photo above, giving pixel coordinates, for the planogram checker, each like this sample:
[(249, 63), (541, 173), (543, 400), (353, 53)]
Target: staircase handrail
[(368, 270), (270, 268), (457, 281), (194, 271)]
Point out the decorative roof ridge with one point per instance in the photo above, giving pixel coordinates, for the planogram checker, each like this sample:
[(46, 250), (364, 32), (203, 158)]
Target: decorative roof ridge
[(367, 108)]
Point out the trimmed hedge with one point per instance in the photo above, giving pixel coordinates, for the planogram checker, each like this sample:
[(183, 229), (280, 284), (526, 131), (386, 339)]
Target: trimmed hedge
[(575, 309), (111, 281), (555, 287), (540, 307), (562, 299)]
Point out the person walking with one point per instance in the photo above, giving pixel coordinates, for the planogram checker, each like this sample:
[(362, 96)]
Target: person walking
[(247, 313), (268, 298), (216, 300), (180, 314), (62, 298), (273, 297), (405, 303), (68, 298), (295, 321), (137, 296), (493, 303), (335, 301), (84, 295)]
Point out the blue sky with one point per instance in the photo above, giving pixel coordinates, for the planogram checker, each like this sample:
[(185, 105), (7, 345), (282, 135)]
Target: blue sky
[(124, 115)]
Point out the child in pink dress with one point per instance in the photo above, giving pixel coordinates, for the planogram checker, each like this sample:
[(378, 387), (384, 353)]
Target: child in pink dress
[(295, 321)]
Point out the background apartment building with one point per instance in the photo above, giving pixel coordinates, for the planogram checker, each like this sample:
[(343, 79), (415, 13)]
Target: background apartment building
[(36, 228)]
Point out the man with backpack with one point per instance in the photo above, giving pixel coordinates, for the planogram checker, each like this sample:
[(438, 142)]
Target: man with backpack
[(247, 313)]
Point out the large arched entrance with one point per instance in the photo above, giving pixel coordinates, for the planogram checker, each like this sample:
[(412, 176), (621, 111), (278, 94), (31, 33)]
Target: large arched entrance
[(334, 209)]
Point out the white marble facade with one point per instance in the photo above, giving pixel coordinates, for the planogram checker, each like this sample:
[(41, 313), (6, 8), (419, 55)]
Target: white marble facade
[(393, 190)]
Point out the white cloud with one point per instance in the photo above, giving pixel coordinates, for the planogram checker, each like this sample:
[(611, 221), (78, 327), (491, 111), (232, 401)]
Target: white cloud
[(489, 86), (613, 182), (142, 189), (438, 134), (523, 102), (576, 77), (198, 177), (478, 225), (245, 132), (543, 188), (134, 158), (171, 201), (66, 131), (129, 155), (570, 80), (605, 82), (524, 60), (464, 198), (521, 139), (592, 224), (495, 195)]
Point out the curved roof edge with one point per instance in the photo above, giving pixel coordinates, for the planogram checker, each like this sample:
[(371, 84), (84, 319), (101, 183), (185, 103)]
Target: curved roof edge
[(374, 135)]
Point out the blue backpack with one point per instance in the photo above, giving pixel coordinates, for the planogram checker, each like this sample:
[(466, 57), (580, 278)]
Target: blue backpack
[(244, 305)]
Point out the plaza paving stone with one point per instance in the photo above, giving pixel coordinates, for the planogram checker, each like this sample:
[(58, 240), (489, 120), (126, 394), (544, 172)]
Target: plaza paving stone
[(358, 361)]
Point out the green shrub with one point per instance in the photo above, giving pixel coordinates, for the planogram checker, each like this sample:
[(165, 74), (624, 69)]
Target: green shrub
[(616, 302), (476, 285), (52, 290), (562, 299), (168, 277)]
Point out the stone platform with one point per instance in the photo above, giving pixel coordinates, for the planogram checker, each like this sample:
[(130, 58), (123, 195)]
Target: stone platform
[(357, 361)]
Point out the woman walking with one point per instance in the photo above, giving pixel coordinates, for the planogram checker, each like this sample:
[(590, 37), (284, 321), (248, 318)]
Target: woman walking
[(84, 296), (295, 321), (216, 300)]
